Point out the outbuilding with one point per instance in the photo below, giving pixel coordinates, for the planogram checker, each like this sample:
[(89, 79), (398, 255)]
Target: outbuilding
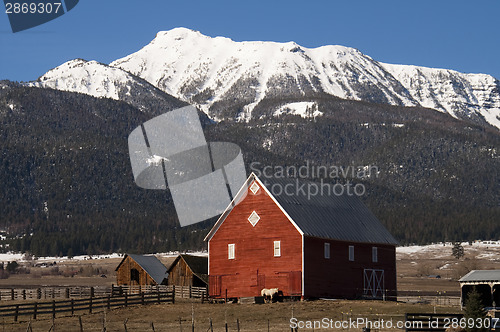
[(486, 283), (302, 238), (189, 270), (141, 270)]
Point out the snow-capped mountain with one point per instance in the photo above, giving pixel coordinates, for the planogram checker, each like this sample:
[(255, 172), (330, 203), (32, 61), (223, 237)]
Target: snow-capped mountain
[(100, 80), (217, 74)]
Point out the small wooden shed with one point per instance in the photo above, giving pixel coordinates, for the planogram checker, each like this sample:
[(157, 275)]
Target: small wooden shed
[(189, 270), (141, 270), (486, 282)]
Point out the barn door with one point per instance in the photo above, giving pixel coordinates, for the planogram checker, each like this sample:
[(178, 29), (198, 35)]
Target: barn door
[(295, 283), (261, 281), (214, 285), (373, 281)]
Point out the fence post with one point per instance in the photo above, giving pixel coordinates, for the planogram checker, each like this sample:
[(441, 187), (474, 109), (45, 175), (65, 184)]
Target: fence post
[(12, 294), (91, 291), (67, 293), (109, 302), (16, 313), (24, 294), (237, 324), (173, 293), (53, 309), (39, 293), (126, 299), (35, 309), (159, 296), (90, 304), (80, 322), (72, 307), (190, 291), (142, 298)]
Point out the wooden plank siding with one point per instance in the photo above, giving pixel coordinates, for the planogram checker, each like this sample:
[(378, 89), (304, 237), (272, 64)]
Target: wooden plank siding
[(337, 276), (124, 274), (180, 274), (255, 266)]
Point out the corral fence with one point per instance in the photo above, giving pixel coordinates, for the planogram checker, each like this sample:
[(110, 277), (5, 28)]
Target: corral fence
[(90, 304), (181, 292), (52, 293), (433, 300), (45, 293)]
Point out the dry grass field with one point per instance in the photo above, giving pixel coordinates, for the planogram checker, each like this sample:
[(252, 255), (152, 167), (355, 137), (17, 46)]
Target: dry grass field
[(414, 264), (252, 317)]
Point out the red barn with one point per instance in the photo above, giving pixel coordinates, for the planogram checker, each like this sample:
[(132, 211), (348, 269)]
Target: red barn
[(276, 234)]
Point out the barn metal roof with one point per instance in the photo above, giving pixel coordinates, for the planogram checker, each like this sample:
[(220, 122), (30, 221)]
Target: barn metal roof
[(151, 265), (324, 215), (481, 275), (197, 264)]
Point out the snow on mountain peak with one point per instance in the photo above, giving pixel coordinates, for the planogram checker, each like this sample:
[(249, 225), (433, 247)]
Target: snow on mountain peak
[(213, 73)]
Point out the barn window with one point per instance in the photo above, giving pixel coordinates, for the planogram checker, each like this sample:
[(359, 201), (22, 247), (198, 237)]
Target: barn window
[(351, 253), (374, 254), (277, 248), (327, 250), (230, 251), (134, 275), (254, 218), (254, 187)]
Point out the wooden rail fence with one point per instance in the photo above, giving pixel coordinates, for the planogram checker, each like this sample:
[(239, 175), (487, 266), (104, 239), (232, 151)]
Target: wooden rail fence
[(181, 292), (90, 304), (45, 293)]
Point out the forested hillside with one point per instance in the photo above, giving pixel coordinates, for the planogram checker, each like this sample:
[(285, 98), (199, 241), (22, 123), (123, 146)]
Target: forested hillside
[(67, 186)]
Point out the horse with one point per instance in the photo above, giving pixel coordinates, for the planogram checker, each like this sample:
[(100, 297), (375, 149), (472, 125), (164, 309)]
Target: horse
[(269, 293)]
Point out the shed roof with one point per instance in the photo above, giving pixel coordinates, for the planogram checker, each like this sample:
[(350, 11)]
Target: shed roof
[(324, 215), (481, 276), (197, 264), (150, 264)]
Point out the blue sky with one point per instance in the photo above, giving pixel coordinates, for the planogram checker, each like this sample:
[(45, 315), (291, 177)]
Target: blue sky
[(459, 35)]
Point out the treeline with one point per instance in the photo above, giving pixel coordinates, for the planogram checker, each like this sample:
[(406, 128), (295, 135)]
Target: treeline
[(67, 186)]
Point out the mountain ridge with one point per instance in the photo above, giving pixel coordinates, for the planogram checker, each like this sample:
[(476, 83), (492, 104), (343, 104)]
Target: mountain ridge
[(216, 74)]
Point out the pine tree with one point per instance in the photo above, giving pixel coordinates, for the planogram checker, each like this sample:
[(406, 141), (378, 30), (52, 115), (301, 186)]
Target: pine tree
[(474, 308), (458, 250)]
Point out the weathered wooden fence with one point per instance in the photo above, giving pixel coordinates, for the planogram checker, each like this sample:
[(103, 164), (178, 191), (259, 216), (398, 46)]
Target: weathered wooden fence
[(184, 292), (52, 293), (433, 300), (90, 304), (45, 293)]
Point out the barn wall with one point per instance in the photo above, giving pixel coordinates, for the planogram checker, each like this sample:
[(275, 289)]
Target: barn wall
[(339, 277), (123, 274), (180, 274), (255, 266)]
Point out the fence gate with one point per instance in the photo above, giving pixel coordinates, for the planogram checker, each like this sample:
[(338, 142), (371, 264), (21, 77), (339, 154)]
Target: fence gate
[(373, 283)]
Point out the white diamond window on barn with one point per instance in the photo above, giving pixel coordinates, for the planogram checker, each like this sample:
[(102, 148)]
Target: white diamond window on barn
[(230, 251), (254, 188), (277, 248), (254, 218)]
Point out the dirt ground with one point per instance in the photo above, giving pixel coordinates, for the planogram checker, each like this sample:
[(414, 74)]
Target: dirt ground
[(251, 317), (417, 270)]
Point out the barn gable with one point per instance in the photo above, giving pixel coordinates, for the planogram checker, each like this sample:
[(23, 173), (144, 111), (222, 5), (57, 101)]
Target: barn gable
[(152, 269)]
